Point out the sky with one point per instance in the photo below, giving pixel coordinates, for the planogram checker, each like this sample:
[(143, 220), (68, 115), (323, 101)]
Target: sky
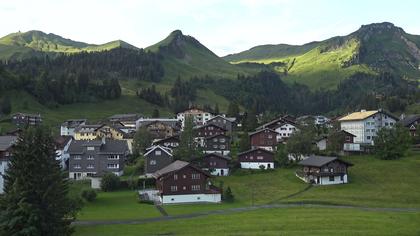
[(224, 26)]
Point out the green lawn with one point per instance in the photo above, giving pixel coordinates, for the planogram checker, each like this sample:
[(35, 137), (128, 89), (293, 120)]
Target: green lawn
[(121, 205), (292, 221)]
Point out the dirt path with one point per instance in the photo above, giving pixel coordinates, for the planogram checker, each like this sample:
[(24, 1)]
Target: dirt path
[(241, 209)]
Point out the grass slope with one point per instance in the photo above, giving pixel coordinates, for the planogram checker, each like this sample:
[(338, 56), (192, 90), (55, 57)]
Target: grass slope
[(185, 56), (22, 45)]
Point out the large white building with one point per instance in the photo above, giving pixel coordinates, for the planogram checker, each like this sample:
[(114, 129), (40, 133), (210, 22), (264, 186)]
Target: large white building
[(365, 124), (199, 116)]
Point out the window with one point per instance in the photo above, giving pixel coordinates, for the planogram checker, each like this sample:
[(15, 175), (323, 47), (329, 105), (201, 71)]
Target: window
[(331, 170), (158, 152), (342, 178), (391, 124), (368, 137), (90, 157), (77, 157), (331, 178), (195, 187), (91, 148), (215, 146), (113, 166), (184, 176), (195, 176), (152, 162), (386, 124), (260, 158), (175, 176), (184, 188), (270, 136), (174, 188), (77, 166), (215, 140), (90, 166), (114, 157), (222, 140), (222, 146)]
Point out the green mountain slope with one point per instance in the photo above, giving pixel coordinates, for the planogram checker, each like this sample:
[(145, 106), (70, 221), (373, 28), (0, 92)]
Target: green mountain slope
[(20, 45), (185, 56), (372, 48)]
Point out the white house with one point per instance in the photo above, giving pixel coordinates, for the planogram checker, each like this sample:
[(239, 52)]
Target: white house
[(200, 117), (283, 126), (365, 124), (68, 127), (256, 159)]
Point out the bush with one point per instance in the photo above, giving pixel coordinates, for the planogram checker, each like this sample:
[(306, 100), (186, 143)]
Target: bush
[(392, 143), (89, 195), (228, 195), (110, 182)]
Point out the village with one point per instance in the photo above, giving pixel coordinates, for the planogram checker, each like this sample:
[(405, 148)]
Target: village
[(216, 146)]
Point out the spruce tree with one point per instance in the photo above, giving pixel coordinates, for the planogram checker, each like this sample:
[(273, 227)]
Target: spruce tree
[(187, 149), (36, 191)]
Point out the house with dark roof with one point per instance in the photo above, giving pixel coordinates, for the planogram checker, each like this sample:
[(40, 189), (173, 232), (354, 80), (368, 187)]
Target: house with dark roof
[(183, 182), (128, 120), (92, 158), (160, 128), (156, 158), (6, 145), (228, 123), (219, 143), (284, 126), (264, 138), (24, 119), (412, 123), (169, 142), (347, 139), (216, 164), (323, 170), (256, 159)]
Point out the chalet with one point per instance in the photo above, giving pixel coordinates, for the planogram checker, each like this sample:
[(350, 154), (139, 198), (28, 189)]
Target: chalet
[(160, 128), (322, 170), (156, 158), (89, 158), (205, 131), (264, 138), (256, 159), (412, 123), (182, 182), (283, 126), (68, 127), (169, 142), (228, 123), (216, 164), (347, 139), (219, 143), (6, 146), (200, 117), (365, 124), (23, 120)]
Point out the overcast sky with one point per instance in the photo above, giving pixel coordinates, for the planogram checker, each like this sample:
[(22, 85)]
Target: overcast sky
[(224, 26)]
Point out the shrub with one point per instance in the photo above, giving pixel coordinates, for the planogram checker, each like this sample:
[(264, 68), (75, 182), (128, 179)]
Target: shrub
[(110, 182), (392, 143), (89, 195), (228, 195)]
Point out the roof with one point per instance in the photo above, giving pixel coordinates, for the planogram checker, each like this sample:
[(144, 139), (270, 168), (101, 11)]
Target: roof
[(82, 127), (218, 155), (319, 161), (110, 146), (261, 130), (174, 123), (363, 114), (409, 120), (255, 149), (230, 119), (165, 149), (7, 141), (193, 111), (174, 166), (282, 119), (210, 124), (163, 140)]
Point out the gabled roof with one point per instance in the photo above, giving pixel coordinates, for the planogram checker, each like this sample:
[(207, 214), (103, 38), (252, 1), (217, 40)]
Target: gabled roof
[(82, 127), (230, 119), (110, 146), (361, 115), (217, 155), (255, 149), (409, 120), (7, 141), (165, 149), (261, 130), (346, 132), (175, 166), (319, 161), (174, 123), (211, 124), (282, 119), (168, 138)]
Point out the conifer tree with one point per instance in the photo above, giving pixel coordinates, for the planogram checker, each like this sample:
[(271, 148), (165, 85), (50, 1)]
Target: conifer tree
[(36, 191)]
